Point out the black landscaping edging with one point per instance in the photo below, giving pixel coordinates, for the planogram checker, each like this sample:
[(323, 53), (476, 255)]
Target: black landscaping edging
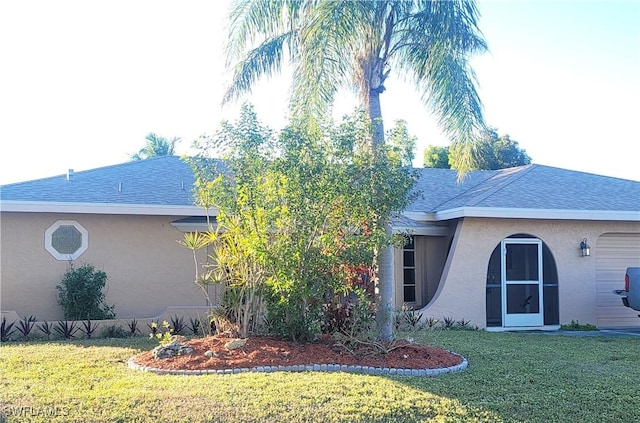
[(309, 368)]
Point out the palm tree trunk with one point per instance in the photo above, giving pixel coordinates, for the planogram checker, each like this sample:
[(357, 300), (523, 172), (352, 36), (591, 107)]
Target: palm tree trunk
[(384, 259), (375, 114), (384, 316)]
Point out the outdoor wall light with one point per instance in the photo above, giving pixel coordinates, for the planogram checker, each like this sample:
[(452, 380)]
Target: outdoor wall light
[(585, 248)]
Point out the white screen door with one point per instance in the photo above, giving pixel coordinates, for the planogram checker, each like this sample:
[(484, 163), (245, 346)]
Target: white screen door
[(522, 282)]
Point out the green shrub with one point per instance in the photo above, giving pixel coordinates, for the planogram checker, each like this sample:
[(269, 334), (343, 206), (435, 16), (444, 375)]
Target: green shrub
[(178, 325), (163, 335), (293, 317), (66, 329), (195, 326), (114, 331), (81, 296), (408, 319), (6, 330), (431, 322), (133, 327), (448, 322), (295, 221), (575, 325), (89, 328), (46, 328), (25, 326)]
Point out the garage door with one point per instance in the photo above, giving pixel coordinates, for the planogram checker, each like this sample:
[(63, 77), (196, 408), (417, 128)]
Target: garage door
[(614, 253)]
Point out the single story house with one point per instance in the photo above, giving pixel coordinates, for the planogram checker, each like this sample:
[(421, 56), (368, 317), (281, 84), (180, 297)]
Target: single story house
[(501, 249)]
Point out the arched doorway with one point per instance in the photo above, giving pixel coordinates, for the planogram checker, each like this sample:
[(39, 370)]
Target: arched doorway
[(522, 284)]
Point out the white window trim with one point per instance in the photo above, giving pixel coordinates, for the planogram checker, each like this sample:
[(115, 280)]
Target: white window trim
[(415, 286), (48, 234)]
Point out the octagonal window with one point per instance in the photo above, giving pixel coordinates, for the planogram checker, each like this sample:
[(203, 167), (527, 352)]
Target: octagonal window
[(66, 240)]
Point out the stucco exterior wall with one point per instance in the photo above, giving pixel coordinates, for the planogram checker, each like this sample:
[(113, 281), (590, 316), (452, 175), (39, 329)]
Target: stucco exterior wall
[(462, 290), (147, 269)]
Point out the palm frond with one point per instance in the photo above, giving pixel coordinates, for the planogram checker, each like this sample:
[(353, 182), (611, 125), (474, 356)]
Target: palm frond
[(156, 146), (356, 44), (264, 60), (434, 52), (321, 68), (253, 21), (261, 33)]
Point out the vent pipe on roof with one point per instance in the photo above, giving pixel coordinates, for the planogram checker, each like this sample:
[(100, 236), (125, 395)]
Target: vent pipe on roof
[(119, 186), (69, 174), (182, 185)]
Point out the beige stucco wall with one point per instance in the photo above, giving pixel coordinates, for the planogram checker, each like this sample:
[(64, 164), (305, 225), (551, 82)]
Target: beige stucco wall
[(147, 269), (462, 290)]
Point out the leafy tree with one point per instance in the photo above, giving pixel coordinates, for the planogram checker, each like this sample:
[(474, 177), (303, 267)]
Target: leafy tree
[(496, 152), (402, 144), (436, 156), (81, 296), (295, 214), (507, 153), (156, 146), (355, 45)]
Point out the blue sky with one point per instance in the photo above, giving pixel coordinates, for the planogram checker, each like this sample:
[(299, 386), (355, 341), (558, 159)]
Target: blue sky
[(82, 83)]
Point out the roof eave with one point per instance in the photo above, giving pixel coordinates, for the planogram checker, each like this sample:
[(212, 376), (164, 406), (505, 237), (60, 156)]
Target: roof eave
[(104, 208), (443, 215), (551, 214), (422, 230), (420, 216)]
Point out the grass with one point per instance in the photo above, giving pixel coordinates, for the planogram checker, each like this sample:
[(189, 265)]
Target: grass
[(511, 378)]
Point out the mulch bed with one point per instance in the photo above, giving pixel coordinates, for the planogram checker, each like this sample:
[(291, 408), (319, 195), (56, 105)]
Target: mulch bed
[(267, 351)]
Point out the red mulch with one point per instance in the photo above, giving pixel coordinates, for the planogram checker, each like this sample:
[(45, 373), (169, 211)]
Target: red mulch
[(266, 351)]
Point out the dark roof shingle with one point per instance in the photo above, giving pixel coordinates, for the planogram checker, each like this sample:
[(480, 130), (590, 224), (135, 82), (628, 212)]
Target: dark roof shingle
[(164, 180), (168, 180)]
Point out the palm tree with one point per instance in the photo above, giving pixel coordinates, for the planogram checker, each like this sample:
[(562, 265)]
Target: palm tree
[(156, 146), (355, 44)]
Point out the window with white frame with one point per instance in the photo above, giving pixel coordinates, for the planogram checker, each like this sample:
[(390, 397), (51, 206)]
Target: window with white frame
[(66, 240), (409, 272)]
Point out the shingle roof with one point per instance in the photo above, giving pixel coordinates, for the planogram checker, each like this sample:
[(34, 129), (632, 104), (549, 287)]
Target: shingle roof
[(168, 180), (437, 186), (164, 180), (549, 188)]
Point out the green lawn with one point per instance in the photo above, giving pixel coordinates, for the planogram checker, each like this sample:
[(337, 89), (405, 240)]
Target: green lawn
[(511, 377)]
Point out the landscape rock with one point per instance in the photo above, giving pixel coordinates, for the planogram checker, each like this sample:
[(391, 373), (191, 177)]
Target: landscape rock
[(178, 339), (171, 350), (234, 344)]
